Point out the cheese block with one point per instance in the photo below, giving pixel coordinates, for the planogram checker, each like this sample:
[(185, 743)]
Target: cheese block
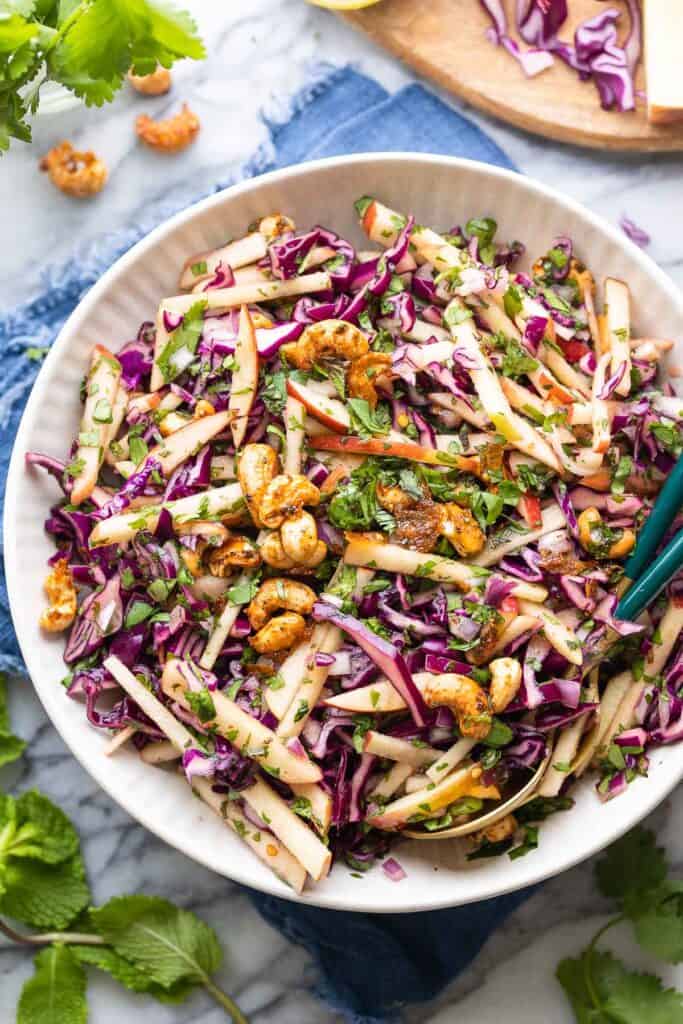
[(663, 48)]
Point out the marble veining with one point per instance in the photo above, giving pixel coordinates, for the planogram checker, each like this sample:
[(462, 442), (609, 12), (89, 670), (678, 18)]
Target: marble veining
[(258, 55)]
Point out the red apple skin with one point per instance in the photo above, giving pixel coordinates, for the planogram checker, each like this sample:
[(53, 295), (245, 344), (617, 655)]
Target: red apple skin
[(314, 404)]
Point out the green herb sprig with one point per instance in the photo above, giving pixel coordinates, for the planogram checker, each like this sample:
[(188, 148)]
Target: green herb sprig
[(85, 45), (600, 988), (146, 943)]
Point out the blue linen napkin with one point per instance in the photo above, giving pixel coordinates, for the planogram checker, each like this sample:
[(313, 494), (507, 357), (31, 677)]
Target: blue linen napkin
[(368, 966)]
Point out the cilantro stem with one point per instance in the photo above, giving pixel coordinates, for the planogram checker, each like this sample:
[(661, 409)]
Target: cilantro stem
[(224, 1000), (588, 958), (66, 24), (73, 938)]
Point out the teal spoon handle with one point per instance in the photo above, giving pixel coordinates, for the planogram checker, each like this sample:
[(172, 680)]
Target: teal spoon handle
[(668, 502), (641, 593)]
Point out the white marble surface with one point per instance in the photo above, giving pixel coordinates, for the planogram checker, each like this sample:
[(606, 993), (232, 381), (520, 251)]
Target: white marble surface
[(258, 50)]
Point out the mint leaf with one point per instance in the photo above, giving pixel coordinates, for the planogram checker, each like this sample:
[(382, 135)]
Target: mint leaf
[(169, 944), (56, 992), (56, 839), (127, 974), (45, 895), (633, 863), (11, 747)]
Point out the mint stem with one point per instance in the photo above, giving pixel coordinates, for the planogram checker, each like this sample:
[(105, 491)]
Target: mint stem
[(224, 1000), (67, 938)]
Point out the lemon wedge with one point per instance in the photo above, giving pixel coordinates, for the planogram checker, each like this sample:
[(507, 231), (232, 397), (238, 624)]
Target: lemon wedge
[(343, 5)]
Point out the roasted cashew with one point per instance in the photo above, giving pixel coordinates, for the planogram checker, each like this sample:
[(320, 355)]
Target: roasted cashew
[(363, 372), (460, 527), (590, 523), (496, 832), (281, 633), (335, 339), (273, 553), (154, 84), (279, 593), (214, 532), (275, 225), (202, 409), (583, 278), (79, 174), (238, 551), (284, 496), (61, 593), (317, 557), (257, 466), (192, 558), (299, 535), (171, 135), (468, 701), (394, 499), (506, 679), (624, 545)]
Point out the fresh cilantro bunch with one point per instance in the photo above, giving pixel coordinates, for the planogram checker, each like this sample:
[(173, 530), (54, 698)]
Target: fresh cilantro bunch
[(87, 46), (144, 942), (601, 989)]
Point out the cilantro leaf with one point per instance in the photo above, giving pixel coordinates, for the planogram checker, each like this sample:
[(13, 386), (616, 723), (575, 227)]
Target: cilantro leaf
[(56, 992), (202, 705), (169, 944), (274, 391), (603, 991), (512, 301), (106, 38), (657, 917), (517, 362), (641, 999), (669, 436), (366, 420), (634, 862), (484, 229), (182, 342)]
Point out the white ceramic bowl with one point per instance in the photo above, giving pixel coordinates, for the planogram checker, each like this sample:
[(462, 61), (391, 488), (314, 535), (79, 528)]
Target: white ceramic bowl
[(439, 191)]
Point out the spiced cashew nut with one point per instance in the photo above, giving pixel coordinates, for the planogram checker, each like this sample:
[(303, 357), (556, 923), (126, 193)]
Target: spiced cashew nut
[(61, 593), (363, 373), (506, 679), (258, 465), (78, 174), (279, 632), (334, 339), (171, 135), (592, 536), (467, 700), (284, 496)]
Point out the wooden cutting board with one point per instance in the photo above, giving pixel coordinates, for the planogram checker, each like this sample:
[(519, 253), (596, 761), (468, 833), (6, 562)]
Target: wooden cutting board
[(444, 40)]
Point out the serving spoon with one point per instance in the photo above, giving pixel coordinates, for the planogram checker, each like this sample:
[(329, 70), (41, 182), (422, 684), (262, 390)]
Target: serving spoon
[(485, 820)]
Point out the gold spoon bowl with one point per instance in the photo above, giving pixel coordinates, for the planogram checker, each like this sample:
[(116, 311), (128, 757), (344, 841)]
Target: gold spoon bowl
[(522, 796)]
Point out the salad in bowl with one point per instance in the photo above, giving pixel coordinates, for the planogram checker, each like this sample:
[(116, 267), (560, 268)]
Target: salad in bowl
[(342, 534)]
